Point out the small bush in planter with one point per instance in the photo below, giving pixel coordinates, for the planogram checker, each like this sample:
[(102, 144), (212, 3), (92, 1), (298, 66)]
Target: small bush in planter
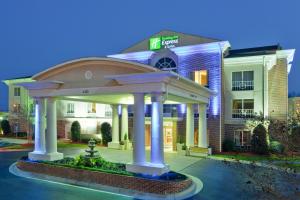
[(106, 132), (5, 126), (75, 131), (228, 145), (125, 137), (184, 147), (259, 140), (122, 143)]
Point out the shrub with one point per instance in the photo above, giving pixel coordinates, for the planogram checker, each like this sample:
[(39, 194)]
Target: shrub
[(21, 134), (75, 131), (228, 145), (276, 147), (106, 132), (85, 138), (5, 126), (259, 140), (295, 139), (125, 137)]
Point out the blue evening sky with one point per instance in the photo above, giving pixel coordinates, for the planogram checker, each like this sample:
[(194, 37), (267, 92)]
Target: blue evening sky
[(36, 34)]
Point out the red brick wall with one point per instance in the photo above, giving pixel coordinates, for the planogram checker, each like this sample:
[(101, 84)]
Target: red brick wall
[(230, 128), (61, 128), (121, 181)]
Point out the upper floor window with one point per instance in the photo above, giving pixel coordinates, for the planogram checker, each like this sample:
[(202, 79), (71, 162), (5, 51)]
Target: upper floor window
[(92, 108), (243, 108), (201, 77), (17, 91), (70, 108), (242, 80), (166, 64)]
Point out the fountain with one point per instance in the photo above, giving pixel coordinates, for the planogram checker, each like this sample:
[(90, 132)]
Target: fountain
[(91, 152)]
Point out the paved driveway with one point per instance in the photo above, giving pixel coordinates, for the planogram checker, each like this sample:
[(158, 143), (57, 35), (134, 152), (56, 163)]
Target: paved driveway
[(222, 180)]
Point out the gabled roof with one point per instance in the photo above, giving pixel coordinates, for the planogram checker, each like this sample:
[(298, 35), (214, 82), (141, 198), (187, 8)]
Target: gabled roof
[(184, 40), (255, 51)]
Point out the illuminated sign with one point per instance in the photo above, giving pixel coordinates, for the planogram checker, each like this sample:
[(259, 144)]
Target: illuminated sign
[(160, 42)]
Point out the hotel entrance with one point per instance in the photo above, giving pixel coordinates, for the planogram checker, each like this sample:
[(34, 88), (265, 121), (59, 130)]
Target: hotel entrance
[(168, 135)]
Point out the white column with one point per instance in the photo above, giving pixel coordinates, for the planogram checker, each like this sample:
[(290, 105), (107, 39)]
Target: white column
[(115, 124), (202, 131), (51, 133), (157, 135), (124, 125), (139, 129), (39, 138), (139, 164), (189, 125), (115, 143)]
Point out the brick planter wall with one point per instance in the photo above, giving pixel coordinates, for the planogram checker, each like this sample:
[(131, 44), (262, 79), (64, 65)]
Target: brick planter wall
[(114, 180)]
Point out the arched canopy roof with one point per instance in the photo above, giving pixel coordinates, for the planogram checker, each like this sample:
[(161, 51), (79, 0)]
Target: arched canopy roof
[(96, 78), (121, 65)]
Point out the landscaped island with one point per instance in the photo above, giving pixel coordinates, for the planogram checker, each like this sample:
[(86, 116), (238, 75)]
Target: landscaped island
[(99, 171)]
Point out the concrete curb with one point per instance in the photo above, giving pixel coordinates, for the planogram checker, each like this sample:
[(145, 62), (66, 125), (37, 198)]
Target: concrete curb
[(194, 189), (255, 163)]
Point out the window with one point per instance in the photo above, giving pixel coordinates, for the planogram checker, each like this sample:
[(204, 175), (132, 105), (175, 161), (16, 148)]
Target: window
[(92, 108), (243, 108), (166, 64), (70, 108), (17, 91), (201, 77), (108, 111), (242, 138), (16, 108), (242, 80), (169, 110)]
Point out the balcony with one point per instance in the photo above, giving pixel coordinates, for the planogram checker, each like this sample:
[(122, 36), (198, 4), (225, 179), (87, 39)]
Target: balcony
[(242, 113), (242, 85)]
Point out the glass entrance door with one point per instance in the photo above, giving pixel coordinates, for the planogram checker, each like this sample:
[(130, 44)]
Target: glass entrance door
[(168, 137)]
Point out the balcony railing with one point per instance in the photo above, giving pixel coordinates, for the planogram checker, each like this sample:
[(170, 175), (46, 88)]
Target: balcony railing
[(242, 85), (242, 113)]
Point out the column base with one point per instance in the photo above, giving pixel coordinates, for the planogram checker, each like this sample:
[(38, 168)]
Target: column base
[(45, 156), (113, 145), (148, 168)]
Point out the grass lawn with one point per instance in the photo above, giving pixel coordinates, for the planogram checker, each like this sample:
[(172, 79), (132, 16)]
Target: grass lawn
[(60, 144), (254, 157)]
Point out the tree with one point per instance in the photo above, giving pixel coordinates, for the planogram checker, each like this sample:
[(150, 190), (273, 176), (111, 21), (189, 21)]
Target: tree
[(295, 139), (106, 132), (5, 126), (75, 131), (259, 140)]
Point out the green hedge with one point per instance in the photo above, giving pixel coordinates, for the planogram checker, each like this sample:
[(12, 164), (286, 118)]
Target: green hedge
[(75, 131), (259, 143)]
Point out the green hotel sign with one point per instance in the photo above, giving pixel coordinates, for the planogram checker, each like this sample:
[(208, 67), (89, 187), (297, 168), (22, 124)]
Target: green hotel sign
[(160, 42)]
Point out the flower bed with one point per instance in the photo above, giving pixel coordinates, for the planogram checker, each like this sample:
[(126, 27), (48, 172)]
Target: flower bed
[(166, 184)]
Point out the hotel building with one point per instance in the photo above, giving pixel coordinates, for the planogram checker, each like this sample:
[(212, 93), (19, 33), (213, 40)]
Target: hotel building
[(233, 86)]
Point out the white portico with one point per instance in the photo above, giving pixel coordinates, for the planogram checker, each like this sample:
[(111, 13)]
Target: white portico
[(117, 82)]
